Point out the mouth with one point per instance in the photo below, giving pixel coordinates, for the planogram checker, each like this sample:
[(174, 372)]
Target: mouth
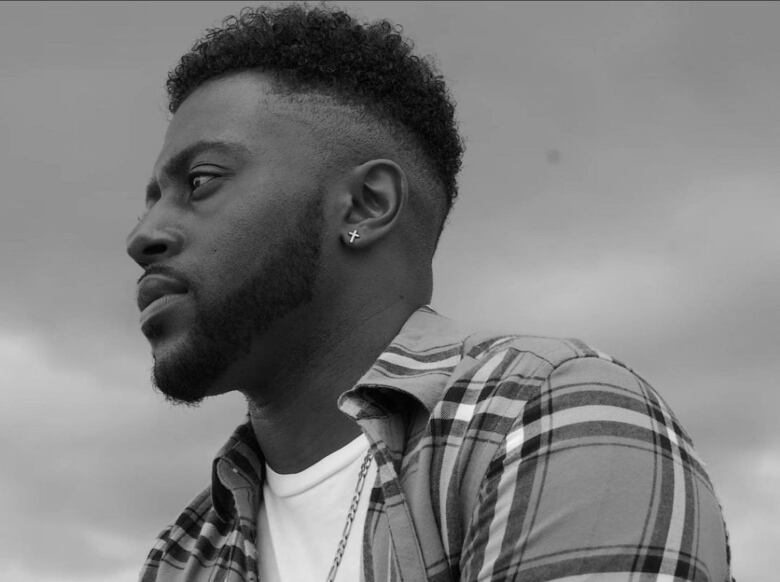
[(160, 302), (157, 309), (154, 288)]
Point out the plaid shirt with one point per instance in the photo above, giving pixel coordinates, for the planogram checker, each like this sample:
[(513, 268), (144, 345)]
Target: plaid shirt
[(500, 457)]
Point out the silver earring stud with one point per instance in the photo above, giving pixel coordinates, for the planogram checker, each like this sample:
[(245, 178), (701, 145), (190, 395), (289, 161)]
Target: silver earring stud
[(352, 236)]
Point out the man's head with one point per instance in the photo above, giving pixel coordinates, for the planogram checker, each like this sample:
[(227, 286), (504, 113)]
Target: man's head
[(291, 128), (370, 69)]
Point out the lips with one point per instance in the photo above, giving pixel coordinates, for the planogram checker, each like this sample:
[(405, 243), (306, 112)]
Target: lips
[(152, 287)]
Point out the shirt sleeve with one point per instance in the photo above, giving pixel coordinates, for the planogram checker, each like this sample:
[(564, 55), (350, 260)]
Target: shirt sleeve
[(596, 481)]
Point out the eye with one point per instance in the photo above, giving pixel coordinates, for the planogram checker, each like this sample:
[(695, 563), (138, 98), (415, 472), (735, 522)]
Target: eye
[(198, 179)]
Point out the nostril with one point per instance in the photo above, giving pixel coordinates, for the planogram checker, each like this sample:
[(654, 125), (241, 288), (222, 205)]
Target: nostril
[(156, 249)]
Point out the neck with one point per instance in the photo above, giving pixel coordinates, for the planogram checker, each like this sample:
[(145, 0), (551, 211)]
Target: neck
[(295, 416)]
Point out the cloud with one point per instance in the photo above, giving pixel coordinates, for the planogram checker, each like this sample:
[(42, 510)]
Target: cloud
[(748, 491), (95, 465), (15, 572)]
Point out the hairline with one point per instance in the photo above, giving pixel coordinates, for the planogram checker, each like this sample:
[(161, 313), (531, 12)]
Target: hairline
[(372, 136)]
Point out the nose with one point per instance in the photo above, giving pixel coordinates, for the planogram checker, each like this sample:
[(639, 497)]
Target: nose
[(155, 238)]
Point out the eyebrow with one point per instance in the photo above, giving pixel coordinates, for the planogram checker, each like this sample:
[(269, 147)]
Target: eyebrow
[(177, 163)]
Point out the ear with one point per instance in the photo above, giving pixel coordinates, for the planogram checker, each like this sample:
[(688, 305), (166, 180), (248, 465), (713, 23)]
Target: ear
[(378, 192)]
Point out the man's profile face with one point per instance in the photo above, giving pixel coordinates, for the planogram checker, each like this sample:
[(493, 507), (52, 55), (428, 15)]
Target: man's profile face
[(235, 215)]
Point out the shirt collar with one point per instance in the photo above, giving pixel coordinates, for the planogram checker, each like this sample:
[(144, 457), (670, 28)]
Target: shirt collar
[(416, 364), (239, 463)]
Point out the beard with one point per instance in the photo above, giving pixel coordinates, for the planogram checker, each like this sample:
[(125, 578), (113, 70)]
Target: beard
[(224, 332)]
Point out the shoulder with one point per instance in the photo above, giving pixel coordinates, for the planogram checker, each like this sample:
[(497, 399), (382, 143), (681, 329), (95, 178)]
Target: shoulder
[(530, 396), (528, 352), (535, 363), (502, 381), (592, 452), (507, 380)]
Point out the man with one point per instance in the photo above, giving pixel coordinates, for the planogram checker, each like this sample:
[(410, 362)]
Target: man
[(291, 220)]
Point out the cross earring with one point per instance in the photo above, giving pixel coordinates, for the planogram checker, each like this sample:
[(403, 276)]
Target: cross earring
[(352, 236)]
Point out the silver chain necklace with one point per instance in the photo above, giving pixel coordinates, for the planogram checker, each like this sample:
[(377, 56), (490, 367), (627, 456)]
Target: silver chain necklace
[(350, 517)]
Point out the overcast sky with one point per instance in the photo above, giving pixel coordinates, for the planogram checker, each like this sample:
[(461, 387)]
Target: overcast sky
[(621, 184)]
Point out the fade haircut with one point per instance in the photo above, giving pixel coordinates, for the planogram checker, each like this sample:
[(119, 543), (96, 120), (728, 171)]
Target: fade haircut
[(369, 68)]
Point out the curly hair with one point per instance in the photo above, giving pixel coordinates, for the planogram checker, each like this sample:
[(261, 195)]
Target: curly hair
[(323, 50)]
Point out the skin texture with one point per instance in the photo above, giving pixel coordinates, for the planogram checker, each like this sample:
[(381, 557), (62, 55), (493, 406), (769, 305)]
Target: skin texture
[(279, 305)]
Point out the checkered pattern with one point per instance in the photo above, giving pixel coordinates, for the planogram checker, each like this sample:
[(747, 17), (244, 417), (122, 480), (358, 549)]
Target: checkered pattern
[(499, 458)]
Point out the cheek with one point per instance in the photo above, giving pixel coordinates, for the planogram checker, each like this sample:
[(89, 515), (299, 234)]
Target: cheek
[(244, 236), (245, 224)]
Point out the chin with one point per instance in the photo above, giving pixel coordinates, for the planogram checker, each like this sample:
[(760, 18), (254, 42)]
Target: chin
[(184, 373)]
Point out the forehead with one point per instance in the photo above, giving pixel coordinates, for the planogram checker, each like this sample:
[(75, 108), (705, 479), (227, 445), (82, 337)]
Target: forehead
[(240, 108)]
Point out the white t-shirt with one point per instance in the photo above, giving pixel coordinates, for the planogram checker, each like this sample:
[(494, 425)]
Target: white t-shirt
[(302, 518)]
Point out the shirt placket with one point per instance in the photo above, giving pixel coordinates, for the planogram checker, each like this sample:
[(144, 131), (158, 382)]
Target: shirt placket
[(240, 565), (408, 558)]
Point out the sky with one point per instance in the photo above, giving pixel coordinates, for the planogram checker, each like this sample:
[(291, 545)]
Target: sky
[(620, 185)]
